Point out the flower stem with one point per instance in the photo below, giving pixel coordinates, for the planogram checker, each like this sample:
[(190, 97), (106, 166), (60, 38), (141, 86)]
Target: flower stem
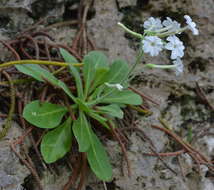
[(138, 60), (130, 31), (164, 34), (160, 66), (164, 29)]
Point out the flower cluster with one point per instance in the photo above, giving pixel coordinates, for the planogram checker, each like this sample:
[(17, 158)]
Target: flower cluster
[(162, 35)]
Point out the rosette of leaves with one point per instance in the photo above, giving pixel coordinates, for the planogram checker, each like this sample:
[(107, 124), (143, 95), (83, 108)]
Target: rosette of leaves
[(93, 100)]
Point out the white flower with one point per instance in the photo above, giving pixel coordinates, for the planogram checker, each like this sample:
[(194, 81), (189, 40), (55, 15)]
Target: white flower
[(191, 25), (152, 24), (174, 24), (179, 66), (176, 46), (152, 45), (118, 86)]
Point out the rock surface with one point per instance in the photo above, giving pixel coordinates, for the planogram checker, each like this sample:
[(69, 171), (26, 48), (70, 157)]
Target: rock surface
[(180, 106), (12, 172), (106, 33)]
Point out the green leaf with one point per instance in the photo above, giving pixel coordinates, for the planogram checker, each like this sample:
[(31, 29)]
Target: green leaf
[(93, 62), (118, 72), (56, 143), (32, 70), (78, 80), (41, 74), (82, 132), (112, 110), (98, 160), (99, 118), (82, 106), (71, 59), (123, 97), (44, 114), (97, 93), (63, 86), (67, 56), (100, 78)]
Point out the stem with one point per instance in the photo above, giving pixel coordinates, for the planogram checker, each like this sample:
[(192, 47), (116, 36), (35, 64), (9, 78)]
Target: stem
[(164, 29), (160, 66), (140, 55), (164, 34), (138, 60), (157, 32), (130, 31), (39, 62)]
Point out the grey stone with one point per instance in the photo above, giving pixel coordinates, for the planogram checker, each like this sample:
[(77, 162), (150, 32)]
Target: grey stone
[(12, 172), (107, 34), (51, 181), (127, 3), (207, 184), (22, 4)]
